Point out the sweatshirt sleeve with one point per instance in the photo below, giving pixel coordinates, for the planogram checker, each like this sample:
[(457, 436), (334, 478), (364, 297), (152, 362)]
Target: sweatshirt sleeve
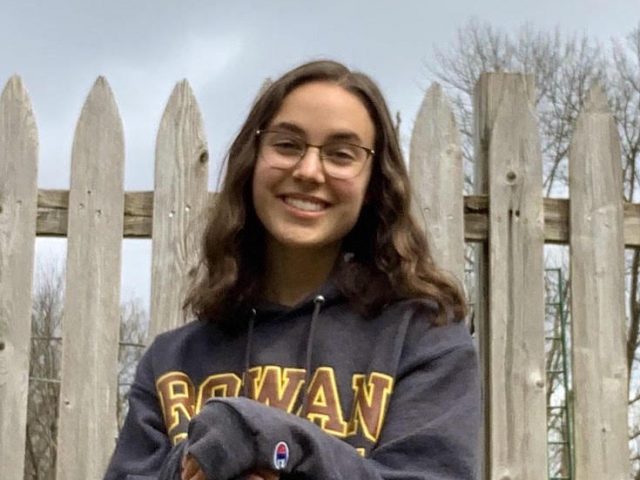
[(430, 432), (143, 443)]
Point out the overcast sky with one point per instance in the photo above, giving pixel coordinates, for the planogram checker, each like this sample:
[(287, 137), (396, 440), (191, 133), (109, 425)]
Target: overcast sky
[(226, 49)]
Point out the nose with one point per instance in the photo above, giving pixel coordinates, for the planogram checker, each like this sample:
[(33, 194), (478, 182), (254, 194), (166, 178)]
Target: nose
[(309, 167)]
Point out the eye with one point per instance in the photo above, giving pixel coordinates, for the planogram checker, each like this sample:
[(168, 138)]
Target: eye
[(341, 153), (286, 145)]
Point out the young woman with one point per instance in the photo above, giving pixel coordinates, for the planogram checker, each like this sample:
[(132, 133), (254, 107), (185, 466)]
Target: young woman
[(327, 344)]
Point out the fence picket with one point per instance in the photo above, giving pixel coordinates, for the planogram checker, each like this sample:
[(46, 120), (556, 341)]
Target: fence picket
[(87, 427), (509, 166), (179, 206), (18, 206), (437, 175), (597, 283), (507, 217)]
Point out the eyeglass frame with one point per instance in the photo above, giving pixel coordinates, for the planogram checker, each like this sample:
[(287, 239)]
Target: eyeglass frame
[(370, 152)]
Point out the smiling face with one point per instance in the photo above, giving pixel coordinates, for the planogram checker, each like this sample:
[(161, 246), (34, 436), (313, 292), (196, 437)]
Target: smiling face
[(302, 207)]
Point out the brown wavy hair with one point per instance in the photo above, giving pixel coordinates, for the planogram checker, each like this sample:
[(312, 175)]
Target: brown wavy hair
[(390, 254)]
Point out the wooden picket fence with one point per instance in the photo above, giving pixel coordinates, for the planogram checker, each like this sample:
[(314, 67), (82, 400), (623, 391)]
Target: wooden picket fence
[(507, 216)]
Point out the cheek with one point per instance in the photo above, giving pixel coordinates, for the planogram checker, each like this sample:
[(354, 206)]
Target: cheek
[(260, 182)]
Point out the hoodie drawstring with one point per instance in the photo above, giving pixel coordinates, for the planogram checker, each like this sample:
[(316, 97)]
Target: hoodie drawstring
[(318, 301), (247, 354)]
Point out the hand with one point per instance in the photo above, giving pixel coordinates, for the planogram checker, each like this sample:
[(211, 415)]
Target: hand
[(192, 471), (263, 475)]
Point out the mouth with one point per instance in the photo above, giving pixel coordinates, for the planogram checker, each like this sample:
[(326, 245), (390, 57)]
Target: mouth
[(306, 204)]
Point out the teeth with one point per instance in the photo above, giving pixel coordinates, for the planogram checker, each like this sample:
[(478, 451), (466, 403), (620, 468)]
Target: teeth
[(306, 205)]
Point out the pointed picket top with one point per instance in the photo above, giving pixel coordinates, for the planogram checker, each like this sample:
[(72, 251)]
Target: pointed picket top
[(595, 149), (14, 85), (597, 285), (179, 205), (99, 89), (18, 209), (182, 112), (100, 106), (98, 146), (90, 328), (99, 132), (182, 94), (596, 101), (436, 168), (15, 98), (15, 91)]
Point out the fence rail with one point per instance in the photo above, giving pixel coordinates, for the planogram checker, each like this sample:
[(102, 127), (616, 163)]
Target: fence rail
[(53, 208), (507, 215)]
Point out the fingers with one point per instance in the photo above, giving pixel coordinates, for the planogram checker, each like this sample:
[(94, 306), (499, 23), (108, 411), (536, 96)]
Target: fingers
[(263, 474), (190, 469)]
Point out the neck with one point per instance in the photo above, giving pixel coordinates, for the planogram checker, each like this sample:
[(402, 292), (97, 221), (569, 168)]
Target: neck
[(293, 274)]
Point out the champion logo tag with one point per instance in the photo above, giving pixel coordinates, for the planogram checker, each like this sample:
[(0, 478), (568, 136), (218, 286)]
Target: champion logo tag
[(281, 456)]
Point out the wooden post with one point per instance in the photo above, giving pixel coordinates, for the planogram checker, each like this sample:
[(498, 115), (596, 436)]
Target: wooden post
[(91, 319), (437, 175), (18, 206), (597, 298), (179, 206), (511, 304)]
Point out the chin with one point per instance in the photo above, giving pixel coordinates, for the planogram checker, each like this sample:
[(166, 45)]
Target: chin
[(302, 243)]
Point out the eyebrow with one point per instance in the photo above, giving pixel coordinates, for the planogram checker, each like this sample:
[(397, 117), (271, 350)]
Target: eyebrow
[(345, 135)]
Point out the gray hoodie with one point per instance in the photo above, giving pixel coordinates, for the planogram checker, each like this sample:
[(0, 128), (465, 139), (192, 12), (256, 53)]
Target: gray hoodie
[(315, 391)]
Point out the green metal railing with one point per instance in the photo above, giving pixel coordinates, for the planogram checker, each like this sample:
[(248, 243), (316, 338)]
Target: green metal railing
[(559, 408)]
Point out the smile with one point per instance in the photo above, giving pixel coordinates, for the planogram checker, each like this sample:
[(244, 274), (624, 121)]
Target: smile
[(307, 204)]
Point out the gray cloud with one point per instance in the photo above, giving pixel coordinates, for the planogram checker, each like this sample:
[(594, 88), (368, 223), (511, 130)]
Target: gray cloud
[(226, 49)]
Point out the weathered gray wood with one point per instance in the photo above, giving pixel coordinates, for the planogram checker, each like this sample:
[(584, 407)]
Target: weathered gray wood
[(597, 283), (437, 175), (556, 220), (87, 419), (18, 205), (138, 211), (481, 272), (179, 206), (631, 225), (512, 336)]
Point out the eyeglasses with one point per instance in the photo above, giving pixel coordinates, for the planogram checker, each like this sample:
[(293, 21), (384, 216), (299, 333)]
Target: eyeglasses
[(283, 150)]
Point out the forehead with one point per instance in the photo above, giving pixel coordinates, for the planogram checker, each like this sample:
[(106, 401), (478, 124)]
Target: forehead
[(323, 109)]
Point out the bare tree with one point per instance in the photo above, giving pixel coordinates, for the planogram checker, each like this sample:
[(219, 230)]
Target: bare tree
[(134, 323), (44, 370), (564, 68), (625, 91), (44, 374), (625, 86)]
